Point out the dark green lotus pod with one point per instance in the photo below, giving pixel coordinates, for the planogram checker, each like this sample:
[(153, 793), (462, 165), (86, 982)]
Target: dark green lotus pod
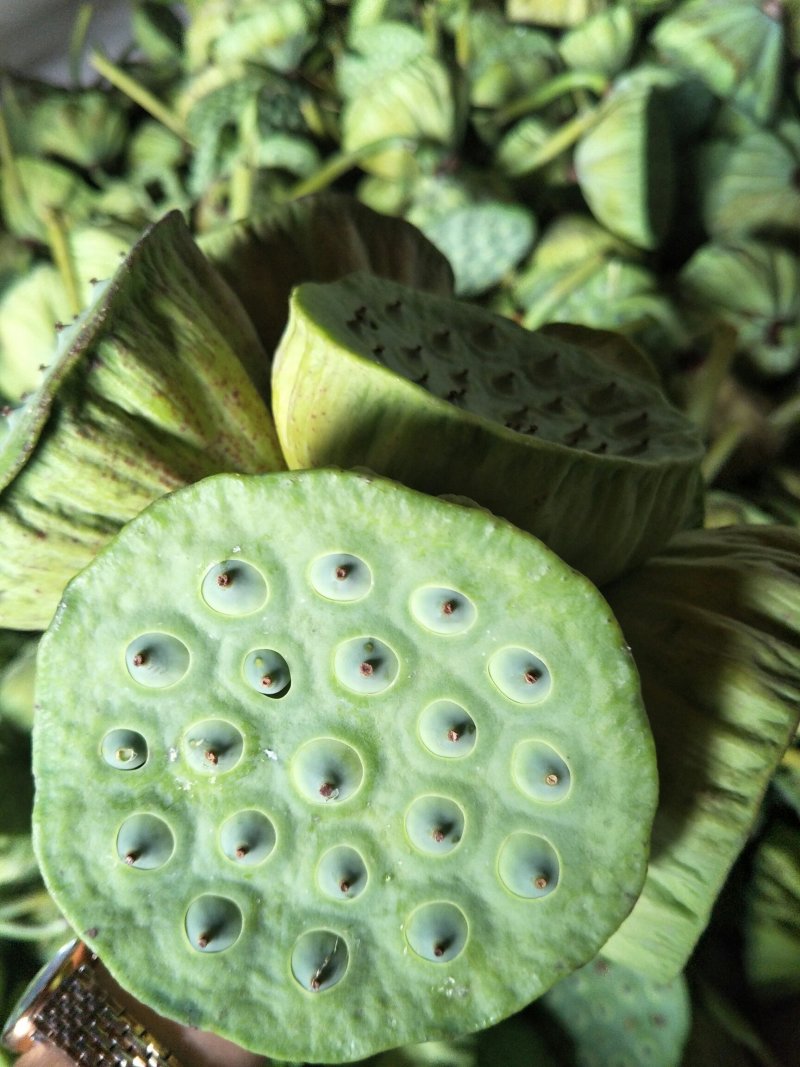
[(319, 238), (689, 102), (755, 287), (559, 13), (735, 46), (625, 165), (146, 391), (604, 42), (333, 764), (577, 445), (752, 185), (415, 103), (607, 1014), (772, 919), (714, 625), (506, 61)]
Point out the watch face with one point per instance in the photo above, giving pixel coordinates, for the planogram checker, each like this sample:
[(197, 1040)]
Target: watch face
[(18, 1033)]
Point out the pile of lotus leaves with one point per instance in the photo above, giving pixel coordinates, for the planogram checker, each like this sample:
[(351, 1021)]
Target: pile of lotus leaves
[(630, 167)]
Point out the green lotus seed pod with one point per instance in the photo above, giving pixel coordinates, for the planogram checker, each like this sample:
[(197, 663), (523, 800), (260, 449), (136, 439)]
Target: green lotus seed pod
[(319, 238), (754, 286), (275, 35), (553, 12), (506, 60), (611, 1014), (146, 391), (574, 443), (735, 46), (713, 622), (625, 165), (604, 42), (374, 52), (254, 800)]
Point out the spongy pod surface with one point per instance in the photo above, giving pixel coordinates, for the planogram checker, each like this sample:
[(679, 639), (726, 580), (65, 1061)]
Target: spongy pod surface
[(567, 437), (327, 765)]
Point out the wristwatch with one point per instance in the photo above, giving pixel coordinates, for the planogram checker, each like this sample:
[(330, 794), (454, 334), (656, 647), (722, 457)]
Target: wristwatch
[(67, 1007)]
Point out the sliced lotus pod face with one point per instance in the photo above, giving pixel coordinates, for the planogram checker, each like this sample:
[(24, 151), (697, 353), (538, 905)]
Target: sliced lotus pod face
[(256, 800), (567, 442), (147, 390), (608, 1013), (625, 165), (713, 624), (735, 46), (319, 238)]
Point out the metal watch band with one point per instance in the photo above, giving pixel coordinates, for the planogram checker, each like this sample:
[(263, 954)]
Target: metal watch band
[(85, 1021)]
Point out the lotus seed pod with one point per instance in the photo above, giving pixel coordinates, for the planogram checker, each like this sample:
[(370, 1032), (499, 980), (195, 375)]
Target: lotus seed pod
[(604, 42), (319, 238), (625, 165), (374, 52), (506, 60), (42, 187), (713, 623), (146, 391), (566, 441), (258, 782), (610, 1014), (735, 46), (275, 35), (558, 13)]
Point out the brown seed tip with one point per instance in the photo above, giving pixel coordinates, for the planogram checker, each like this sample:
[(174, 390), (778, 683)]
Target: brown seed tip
[(211, 757), (367, 669), (315, 983), (344, 886), (266, 681), (327, 789), (453, 734), (242, 851), (342, 572), (139, 659), (224, 579), (551, 779), (132, 856), (449, 607), (438, 835), (438, 949), (203, 940), (531, 676), (540, 882)]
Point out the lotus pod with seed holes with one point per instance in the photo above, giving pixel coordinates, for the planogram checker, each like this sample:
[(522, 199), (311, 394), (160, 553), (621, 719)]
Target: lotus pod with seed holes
[(610, 1014), (575, 444), (714, 624), (333, 758), (625, 165), (318, 238), (146, 391)]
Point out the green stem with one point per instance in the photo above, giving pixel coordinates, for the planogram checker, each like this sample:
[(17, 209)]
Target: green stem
[(24, 905), (563, 138), (567, 82), (240, 191), (139, 94), (337, 165), (77, 41), (14, 190), (786, 415), (707, 384), (62, 257), (36, 932), (720, 451)]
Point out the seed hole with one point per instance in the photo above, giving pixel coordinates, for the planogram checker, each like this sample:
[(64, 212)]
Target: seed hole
[(528, 865), (157, 660), (438, 931), (213, 746), (520, 675), (234, 587), (342, 873), (319, 960), (247, 838), (340, 576), (267, 672), (434, 824), (125, 750), (540, 772), (213, 923), (442, 610), (145, 841), (327, 771), (447, 729), (366, 665)]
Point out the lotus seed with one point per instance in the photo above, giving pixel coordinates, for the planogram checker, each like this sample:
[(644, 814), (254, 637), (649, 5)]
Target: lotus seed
[(342, 572), (212, 757), (139, 659), (241, 851), (367, 668), (531, 676), (131, 857), (540, 882), (453, 735), (203, 940), (124, 755), (551, 779), (224, 579)]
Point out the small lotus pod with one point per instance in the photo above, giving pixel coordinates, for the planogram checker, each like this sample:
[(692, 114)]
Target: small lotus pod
[(86, 127), (754, 286), (713, 622), (771, 924), (308, 853), (537, 428), (610, 1014), (146, 391), (625, 165), (752, 184), (374, 52), (560, 13), (28, 309), (318, 238), (735, 46), (415, 103), (35, 187), (505, 60), (604, 42), (276, 35)]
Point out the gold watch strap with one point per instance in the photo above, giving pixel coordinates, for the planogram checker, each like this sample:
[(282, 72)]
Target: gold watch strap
[(65, 1006)]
